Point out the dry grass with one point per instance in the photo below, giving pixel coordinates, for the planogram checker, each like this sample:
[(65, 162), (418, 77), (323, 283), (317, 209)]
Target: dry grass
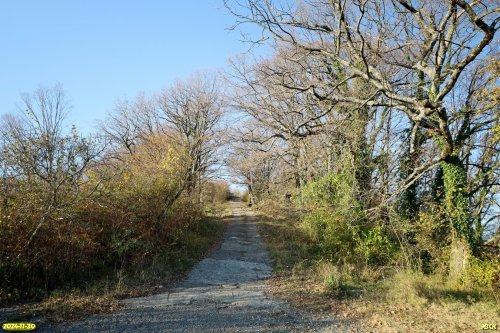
[(397, 302), (433, 317), (428, 304), (71, 307)]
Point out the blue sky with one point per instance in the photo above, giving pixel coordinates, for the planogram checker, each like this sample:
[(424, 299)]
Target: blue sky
[(104, 50)]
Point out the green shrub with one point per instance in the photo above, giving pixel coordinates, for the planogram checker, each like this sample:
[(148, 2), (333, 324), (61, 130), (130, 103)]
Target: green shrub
[(342, 239), (337, 224), (334, 235), (333, 190), (482, 274), (430, 239), (375, 246)]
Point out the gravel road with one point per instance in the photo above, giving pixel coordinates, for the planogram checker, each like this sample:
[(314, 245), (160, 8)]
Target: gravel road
[(223, 293)]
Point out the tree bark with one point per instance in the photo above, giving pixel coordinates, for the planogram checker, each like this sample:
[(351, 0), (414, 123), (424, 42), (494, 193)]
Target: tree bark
[(459, 255)]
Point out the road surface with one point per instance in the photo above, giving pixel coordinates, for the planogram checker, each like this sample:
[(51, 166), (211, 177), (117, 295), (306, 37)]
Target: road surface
[(225, 292)]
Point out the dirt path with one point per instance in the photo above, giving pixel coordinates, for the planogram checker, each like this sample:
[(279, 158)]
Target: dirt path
[(223, 293)]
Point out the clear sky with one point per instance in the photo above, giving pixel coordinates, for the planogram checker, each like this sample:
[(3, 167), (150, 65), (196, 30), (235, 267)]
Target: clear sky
[(102, 50)]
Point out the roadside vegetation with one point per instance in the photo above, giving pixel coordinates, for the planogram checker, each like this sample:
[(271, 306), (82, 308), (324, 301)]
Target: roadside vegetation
[(370, 144), (85, 220), (386, 297)]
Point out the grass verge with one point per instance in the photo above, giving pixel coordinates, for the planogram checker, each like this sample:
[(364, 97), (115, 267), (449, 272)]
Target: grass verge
[(383, 299)]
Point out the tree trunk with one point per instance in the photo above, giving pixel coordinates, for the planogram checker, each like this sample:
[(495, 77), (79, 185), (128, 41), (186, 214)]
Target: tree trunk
[(410, 203), (251, 199), (459, 255), (362, 156), (437, 186), (298, 172), (458, 213)]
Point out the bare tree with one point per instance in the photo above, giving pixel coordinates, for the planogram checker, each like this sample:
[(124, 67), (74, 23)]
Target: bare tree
[(37, 152), (131, 122), (267, 92), (194, 109)]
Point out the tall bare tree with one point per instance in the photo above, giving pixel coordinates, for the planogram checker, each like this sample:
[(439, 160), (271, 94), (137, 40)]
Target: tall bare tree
[(38, 152), (194, 108), (132, 122)]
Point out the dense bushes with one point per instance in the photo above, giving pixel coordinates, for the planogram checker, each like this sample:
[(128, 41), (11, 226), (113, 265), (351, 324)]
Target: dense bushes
[(74, 210), (340, 230), (348, 246), (120, 227)]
